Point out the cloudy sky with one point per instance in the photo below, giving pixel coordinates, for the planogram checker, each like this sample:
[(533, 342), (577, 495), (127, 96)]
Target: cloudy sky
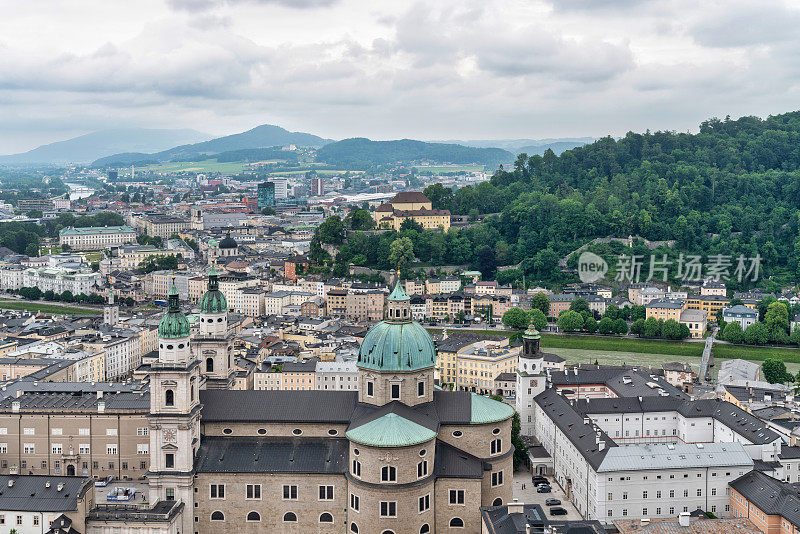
[(429, 70)]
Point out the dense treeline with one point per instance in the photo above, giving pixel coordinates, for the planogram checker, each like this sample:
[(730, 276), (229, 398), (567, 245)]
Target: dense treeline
[(358, 153), (25, 237)]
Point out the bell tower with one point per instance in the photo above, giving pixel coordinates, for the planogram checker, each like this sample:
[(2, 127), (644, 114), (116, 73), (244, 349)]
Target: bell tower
[(174, 413), (213, 346), (530, 378)]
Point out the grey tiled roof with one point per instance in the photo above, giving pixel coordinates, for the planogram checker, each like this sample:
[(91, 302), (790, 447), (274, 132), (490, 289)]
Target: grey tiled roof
[(272, 455), (30, 493), (771, 496), (451, 462), (278, 406)]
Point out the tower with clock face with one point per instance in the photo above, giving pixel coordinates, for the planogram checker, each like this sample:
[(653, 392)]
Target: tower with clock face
[(174, 413)]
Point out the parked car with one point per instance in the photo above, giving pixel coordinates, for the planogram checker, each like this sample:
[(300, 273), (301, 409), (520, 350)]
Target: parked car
[(552, 501), (539, 480), (541, 483), (557, 510), (543, 489)]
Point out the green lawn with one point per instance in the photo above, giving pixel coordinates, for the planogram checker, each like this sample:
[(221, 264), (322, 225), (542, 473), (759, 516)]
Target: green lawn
[(653, 346), (46, 308), (440, 169), (208, 165)]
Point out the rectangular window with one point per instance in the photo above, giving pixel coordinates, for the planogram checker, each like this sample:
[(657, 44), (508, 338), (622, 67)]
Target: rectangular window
[(496, 446), (370, 389), (28, 448), (610, 496), (356, 468), (111, 431), (395, 389), (3, 448), (56, 431), (644, 511), (142, 431), (169, 460), (170, 494), (19, 520), (326, 493), (217, 491), (83, 431), (388, 473), (35, 520), (388, 508), (671, 494), (28, 432), (290, 492), (424, 503), (421, 389), (497, 478), (355, 502), (57, 448), (422, 469), (111, 448), (142, 448), (254, 491), (456, 496)]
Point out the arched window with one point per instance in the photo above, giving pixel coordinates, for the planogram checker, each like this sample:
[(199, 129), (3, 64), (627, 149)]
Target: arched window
[(253, 516), (217, 516), (290, 517), (354, 528), (497, 502), (191, 392), (209, 365), (456, 522), (326, 518), (424, 529), (169, 398), (388, 532)]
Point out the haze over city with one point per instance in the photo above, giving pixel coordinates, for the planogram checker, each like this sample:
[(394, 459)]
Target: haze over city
[(350, 68)]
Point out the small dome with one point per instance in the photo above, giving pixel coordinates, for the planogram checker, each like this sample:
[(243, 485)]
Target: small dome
[(174, 324), (213, 301), (228, 242)]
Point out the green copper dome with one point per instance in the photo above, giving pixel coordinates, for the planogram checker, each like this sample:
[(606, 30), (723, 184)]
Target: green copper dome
[(390, 430), (174, 324), (213, 301), (485, 410)]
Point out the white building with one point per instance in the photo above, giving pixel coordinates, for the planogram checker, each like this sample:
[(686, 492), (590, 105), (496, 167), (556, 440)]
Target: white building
[(11, 277), (58, 280), (336, 376), (606, 481), (122, 352), (740, 314), (96, 237), (281, 188)]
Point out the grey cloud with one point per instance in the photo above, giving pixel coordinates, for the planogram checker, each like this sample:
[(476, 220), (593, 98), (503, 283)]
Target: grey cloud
[(746, 25), (205, 5)]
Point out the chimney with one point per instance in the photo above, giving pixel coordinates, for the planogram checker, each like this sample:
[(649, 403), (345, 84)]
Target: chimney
[(60, 487), (11, 483), (683, 519), (99, 394), (19, 393), (527, 528), (15, 406), (516, 507), (601, 445)]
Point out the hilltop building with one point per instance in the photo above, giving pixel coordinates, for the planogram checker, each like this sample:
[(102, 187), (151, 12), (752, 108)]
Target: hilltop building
[(411, 205)]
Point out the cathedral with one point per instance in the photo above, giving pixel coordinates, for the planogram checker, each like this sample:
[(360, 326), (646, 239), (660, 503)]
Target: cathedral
[(398, 456)]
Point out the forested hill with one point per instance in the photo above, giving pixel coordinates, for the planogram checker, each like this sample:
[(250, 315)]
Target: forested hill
[(733, 188), (359, 152)]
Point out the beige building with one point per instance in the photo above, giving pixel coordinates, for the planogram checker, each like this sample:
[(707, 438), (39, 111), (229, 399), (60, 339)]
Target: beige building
[(365, 306), (665, 309), (696, 320), (411, 205), (163, 226), (131, 257)]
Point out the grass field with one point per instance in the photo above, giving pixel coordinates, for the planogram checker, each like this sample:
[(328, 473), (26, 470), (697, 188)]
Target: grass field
[(47, 308), (671, 349), (208, 165)]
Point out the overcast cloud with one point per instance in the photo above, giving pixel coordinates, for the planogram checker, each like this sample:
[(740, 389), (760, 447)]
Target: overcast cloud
[(428, 70)]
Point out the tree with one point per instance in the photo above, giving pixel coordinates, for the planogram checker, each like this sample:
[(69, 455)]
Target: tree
[(32, 250), (606, 326), (775, 371), (776, 319), (67, 296), (671, 329), (590, 325), (516, 318), (331, 231), (579, 305), (794, 338), (95, 265), (612, 312), (65, 247), (570, 321), (460, 316), (539, 300), (538, 319), (361, 219), (520, 449), (401, 253), (652, 328), (487, 264), (684, 331), (637, 327), (756, 334), (733, 333), (620, 327)]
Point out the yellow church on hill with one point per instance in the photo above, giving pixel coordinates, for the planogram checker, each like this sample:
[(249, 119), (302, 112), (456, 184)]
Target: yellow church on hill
[(411, 205)]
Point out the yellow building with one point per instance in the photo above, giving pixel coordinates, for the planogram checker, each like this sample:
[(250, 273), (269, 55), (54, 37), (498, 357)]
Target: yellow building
[(665, 309), (411, 205), (472, 361), (710, 304)]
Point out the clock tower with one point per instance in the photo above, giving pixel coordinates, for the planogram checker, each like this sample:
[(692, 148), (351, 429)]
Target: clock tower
[(174, 413)]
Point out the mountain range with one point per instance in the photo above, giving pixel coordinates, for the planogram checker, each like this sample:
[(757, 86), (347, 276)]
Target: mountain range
[(89, 147), (123, 147)]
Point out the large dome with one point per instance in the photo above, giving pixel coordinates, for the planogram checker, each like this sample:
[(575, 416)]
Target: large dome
[(213, 301), (174, 324), (390, 346), (227, 242), (397, 344)]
